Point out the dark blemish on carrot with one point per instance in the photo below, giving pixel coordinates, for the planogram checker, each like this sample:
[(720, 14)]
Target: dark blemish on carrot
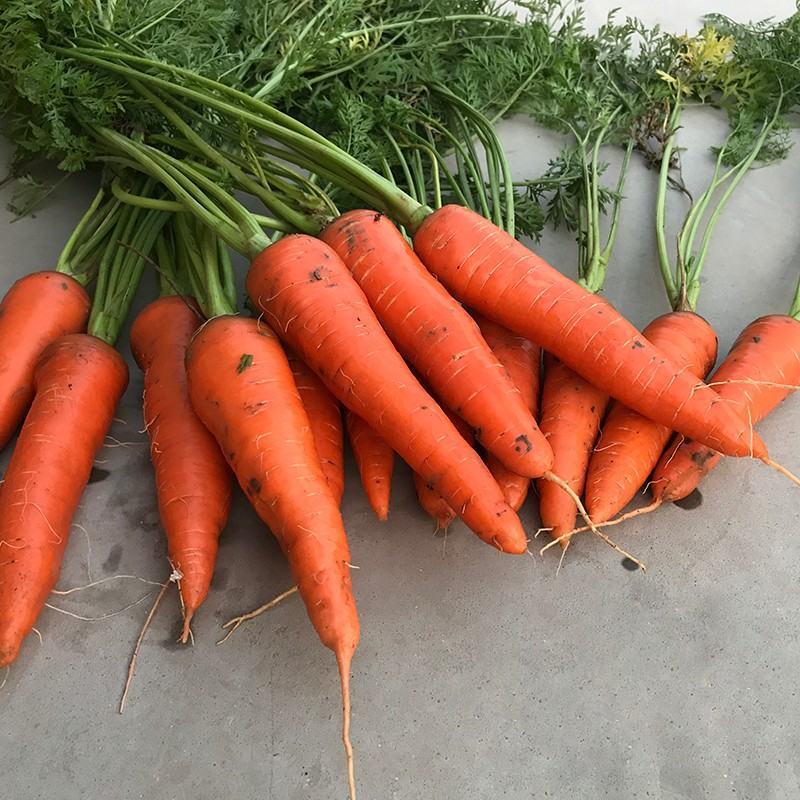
[(326, 256), (98, 475), (331, 285), (756, 339), (244, 362), (423, 408), (522, 444), (592, 409), (64, 285), (315, 275), (431, 487), (700, 457), (351, 241), (254, 485), (377, 216), (691, 501), (114, 557), (231, 455), (69, 386), (629, 564), (637, 345)]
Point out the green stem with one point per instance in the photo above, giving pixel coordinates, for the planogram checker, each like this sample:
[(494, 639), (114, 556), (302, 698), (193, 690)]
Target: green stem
[(360, 180), (87, 221), (124, 268), (794, 311), (140, 201), (168, 282), (153, 166), (664, 261), (693, 288)]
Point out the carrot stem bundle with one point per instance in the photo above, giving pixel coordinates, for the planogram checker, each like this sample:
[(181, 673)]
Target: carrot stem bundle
[(479, 264)]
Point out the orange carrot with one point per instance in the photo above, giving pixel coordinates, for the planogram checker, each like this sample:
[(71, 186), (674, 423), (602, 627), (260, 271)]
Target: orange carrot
[(325, 419), (307, 294), (766, 352), (439, 339), (243, 390), (522, 360), (35, 311), (490, 271), (375, 462), (570, 417), (78, 382), (434, 505), (193, 483), (630, 444)]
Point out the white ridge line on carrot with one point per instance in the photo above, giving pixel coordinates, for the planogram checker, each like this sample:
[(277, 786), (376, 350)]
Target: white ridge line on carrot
[(237, 621), (139, 640), (753, 382), (103, 616)]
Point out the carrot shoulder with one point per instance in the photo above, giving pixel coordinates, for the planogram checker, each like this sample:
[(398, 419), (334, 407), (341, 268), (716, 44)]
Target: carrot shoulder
[(309, 297), (35, 311), (193, 482), (78, 382), (490, 271), (439, 339)]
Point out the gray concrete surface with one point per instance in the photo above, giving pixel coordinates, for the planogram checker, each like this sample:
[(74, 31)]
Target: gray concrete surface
[(478, 676)]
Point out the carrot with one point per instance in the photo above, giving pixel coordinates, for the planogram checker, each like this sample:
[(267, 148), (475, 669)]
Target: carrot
[(325, 419), (307, 294), (433, 504), (439, 339), (756, 376), (78, 382), (192, 479), (375, 462), (243, 390), (522, 360), (630, 444), (488, 270), (570, 417), (35, 311)]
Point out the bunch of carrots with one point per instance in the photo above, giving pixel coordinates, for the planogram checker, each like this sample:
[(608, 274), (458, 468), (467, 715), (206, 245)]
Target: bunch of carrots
[(415, 328)]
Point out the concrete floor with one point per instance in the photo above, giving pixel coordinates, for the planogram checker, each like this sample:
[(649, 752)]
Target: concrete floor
[(478, 675)]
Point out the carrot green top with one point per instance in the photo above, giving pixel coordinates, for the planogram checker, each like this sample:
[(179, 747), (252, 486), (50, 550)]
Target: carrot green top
[(794, 311), (120, 262), (708, 69)]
